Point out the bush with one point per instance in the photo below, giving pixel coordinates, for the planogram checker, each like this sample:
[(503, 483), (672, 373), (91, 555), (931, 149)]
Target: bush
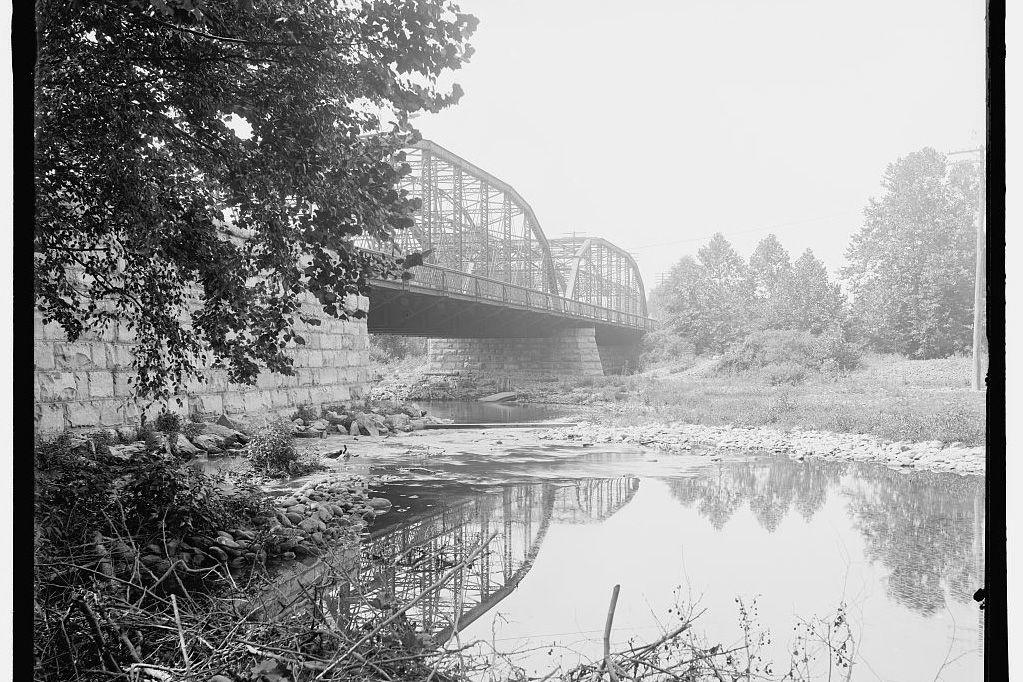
[(271, 451), (787, 356), (385, 348), (168, 422), (306, 413), (664, 345), (779, 373)]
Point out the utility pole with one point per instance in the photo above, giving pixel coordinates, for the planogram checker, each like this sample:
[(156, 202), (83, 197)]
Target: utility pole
[(979, 274)]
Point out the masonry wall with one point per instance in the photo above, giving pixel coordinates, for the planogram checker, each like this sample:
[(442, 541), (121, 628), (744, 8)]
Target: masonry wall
[(573, 352), (85, 384)]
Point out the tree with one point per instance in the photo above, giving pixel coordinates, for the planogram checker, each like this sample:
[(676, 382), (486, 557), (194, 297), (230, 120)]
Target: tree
[(910, 267), (814, 302), (727, 293), (770, 274), (163, 126)]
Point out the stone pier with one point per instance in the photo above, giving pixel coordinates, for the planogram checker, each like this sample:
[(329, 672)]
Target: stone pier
[(571, 352)]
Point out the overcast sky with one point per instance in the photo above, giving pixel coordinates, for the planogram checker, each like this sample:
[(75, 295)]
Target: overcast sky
[(657, 123)]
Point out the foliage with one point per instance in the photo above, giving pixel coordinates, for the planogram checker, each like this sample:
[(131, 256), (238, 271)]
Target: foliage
[(272, 453), (911, 266), (168, 422), (306, 413), (715, 300), (785, 356), (664, 345), (227, 151), (385, 348)]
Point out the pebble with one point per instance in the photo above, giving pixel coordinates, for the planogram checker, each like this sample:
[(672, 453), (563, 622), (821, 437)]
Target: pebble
[(797, 444)]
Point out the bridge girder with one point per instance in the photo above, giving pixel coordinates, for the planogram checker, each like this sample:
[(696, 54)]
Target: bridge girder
[(599, 272), (475, 223)]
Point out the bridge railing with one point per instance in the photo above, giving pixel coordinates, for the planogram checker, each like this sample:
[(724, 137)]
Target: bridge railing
[(486, 289)]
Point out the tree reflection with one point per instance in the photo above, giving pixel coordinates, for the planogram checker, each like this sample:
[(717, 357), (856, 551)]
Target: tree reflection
[(770, 487), (925, 528), (922, 527)]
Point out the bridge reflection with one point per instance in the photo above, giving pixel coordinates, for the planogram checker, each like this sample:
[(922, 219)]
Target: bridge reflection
[(405, 563)]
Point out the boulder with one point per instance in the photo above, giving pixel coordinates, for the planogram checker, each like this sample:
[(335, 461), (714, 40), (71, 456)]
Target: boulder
[(185, 446), (312, 525), (209, 442), (127, 434), (320, 425), (377, 503), (219, 430), (224, 420)]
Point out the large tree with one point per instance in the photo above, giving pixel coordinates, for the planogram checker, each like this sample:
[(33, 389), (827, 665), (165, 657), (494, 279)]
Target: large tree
[(161, 123), (911, 266), (770, 271), (814, 301)]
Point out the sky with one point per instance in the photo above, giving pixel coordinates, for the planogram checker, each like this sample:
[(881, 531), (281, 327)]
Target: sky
[(655, 124)]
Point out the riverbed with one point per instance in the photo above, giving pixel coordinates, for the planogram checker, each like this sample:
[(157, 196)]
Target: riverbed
[(902, 549)]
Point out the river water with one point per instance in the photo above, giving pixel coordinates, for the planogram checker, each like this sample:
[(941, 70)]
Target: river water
[(903, 550)]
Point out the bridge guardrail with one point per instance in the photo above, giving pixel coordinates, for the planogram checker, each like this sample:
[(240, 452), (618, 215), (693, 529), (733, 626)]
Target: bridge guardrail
[(484, 288)]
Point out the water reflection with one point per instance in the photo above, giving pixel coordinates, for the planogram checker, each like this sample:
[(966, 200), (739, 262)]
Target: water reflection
[(769, 488), (924, 528), (406, 562)]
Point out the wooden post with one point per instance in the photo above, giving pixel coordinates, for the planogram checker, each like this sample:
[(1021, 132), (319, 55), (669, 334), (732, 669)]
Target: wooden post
[(978, 283)]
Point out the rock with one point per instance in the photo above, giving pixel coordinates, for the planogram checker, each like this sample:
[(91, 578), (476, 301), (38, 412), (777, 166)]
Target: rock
[(324, 514), (185, 446), (317, 537), (209, 442), (297, 509), (379, 503), (127, 452), (209, 428), (217, 553), (320, 425), (289, 501), (224, 420), (499, 397), (418, 424), (220, 678), (312, 524), (353, 429), (127, 434)]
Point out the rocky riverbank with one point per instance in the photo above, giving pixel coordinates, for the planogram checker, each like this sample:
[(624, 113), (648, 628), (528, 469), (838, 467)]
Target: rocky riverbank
[(796, 444)]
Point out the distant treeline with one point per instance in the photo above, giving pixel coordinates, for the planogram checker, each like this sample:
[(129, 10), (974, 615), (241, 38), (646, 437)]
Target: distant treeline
[(908, 279)]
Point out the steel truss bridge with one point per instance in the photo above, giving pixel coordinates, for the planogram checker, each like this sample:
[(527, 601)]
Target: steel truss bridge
[(403, 564), (491, 271)]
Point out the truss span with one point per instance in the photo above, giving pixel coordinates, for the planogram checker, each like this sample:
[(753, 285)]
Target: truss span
[(484, 244)]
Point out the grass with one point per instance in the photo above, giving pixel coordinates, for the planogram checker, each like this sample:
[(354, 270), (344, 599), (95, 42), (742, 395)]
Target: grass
[(889, 397)]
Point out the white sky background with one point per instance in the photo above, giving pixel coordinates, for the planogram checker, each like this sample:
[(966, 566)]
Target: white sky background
[(668, 120)]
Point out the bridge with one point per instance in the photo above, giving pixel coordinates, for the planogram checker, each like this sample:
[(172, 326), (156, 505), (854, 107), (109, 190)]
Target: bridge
[(505, 297)]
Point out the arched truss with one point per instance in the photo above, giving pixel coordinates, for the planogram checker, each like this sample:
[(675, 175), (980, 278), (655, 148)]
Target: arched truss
[(596, 271), (474, 222)]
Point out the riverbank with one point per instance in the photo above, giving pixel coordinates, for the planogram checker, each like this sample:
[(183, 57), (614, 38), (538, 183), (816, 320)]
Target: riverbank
[(913, 414)]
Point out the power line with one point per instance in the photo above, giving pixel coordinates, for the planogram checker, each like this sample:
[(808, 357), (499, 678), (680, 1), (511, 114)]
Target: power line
[(755, 229)]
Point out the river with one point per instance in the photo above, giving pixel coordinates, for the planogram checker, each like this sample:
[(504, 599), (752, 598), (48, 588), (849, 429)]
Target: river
[(902, 549)]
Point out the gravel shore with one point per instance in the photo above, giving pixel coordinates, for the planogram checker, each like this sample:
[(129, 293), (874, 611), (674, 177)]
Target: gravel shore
[(797, 444)]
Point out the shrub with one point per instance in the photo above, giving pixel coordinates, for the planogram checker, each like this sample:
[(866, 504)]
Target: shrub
[(664, 345), (306, 413), (168, 422), (271, 451), (787, 356), (385, 348), (779, 373)]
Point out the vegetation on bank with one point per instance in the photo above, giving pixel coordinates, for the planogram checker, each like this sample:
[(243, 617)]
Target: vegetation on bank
[(887, 396)]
